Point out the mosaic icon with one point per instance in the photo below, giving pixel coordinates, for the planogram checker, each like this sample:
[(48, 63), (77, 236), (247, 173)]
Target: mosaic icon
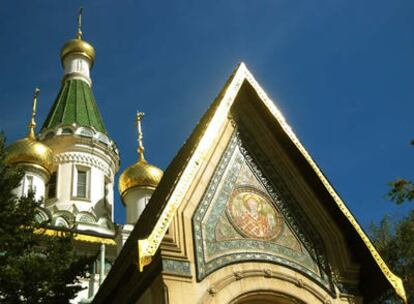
[(253, 215)]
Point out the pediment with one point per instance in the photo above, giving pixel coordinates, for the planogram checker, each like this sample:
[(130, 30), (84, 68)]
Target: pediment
[(243, 217)]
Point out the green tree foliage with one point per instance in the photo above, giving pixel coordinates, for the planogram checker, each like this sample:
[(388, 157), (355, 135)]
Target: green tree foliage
[(395, 239), (401, 190), (34, 267)]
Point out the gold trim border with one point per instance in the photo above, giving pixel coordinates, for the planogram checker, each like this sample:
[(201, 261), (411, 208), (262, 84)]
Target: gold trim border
[(148, 247), (77, 236), (394, 280)]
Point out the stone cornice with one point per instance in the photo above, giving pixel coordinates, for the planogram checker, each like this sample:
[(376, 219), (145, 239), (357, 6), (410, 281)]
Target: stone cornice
[(83, 158)]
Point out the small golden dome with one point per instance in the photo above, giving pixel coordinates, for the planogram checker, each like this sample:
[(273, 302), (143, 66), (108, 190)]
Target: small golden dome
[(141, 174), (78, 46), (28, 150)]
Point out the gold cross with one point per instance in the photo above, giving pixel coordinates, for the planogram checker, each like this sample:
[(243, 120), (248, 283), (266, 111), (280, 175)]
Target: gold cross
[(32, 124), (79, 34), (141, 149)]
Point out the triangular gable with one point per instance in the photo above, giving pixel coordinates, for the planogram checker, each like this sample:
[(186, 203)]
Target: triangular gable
[(241, 218), (154, 222)]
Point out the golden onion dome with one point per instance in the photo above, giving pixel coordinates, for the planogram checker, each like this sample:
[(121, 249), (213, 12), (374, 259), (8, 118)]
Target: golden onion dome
[(141, 174), (29, 150), (79, 47)]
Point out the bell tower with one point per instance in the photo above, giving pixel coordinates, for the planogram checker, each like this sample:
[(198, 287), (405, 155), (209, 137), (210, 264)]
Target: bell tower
[(80, 190)]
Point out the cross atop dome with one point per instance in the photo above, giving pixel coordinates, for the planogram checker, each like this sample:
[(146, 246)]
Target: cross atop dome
[(76, 49), (32, 124), (141, 148), (29, 151), (138, 182), (79, 34)]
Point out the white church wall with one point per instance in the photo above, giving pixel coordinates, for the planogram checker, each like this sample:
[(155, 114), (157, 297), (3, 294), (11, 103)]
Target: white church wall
[(32, 179)]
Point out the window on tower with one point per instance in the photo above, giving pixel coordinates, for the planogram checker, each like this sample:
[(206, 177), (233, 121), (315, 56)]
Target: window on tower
[(30, 186), (51, 189), (81, 183)]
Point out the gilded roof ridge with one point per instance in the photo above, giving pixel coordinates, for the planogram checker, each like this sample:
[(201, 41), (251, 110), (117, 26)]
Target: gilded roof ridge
[(146, 246), (394, 280), (153, 224)]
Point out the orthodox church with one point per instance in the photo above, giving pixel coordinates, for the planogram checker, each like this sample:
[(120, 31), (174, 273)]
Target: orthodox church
[(241, 215)]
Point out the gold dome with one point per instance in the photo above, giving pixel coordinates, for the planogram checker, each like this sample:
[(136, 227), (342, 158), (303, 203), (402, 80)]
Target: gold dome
[(78, 46), (141, 174), (28, 150)]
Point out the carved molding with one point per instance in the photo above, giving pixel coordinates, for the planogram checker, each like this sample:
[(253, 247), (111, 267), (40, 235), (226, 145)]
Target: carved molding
[(175, 267), (84, 159), (216, 287)]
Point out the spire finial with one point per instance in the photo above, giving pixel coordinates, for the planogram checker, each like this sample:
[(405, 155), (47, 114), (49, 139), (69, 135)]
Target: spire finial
[(79, 34), (32, 124), (141, 149)]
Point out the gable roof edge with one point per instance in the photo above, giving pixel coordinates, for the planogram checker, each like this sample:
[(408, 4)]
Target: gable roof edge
[(148, 246), (393, 279)]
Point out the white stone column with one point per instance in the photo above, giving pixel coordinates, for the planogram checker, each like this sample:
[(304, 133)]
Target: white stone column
[(136, 200)]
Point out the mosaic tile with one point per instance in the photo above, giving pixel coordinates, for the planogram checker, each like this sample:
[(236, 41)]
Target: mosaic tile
[(176, 267), (242, 218)]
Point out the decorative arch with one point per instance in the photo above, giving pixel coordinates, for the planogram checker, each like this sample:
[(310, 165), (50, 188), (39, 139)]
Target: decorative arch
[(265, 297), (67, 131), (103, 138), (63, 219), (257, 284), (86, 132), (42, 215), (60, 222), (86, 218)]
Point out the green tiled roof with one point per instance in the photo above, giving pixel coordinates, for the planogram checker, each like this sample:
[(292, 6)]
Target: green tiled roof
[(75, 103)]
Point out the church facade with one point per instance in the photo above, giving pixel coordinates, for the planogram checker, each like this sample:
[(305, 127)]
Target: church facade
[(241, 215), (244, 215)]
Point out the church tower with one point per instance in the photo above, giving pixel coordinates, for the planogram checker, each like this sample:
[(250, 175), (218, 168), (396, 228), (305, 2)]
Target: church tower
[(136, 186), (138, 182), (80, 190)]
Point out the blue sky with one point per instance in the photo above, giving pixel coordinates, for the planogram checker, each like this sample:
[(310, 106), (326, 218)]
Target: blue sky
[(341, 72)]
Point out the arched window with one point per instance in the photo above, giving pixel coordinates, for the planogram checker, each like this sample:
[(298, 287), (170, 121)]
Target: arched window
[(86, 218), (103, 139), (67, 131), (61, 222), (85, 132), (41, 216), (265, 297)]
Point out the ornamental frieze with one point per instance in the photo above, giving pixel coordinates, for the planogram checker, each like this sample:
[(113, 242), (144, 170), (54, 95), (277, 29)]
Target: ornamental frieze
[(83, 159)]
